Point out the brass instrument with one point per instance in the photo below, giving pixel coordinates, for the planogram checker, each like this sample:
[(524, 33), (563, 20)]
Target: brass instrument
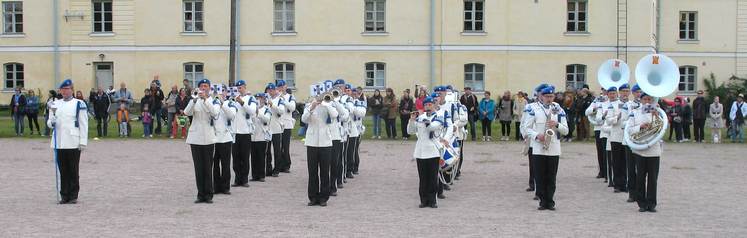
[(549, 132)]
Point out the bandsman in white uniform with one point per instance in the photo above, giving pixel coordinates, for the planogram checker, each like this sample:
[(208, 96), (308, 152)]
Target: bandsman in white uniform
[(344, 104), (647, 160), (617, 114), (224, 141), (318, 116), (337, 131), (522, 130), (69, 120), (607, 109), (594, 108), (426, 127), (629, 160), (261, 137), (543, 123), (358, 114), (243, 127), (287, 121), (202, 138), (276, 104)]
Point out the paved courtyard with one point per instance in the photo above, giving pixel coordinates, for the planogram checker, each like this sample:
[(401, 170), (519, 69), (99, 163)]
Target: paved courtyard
[(145, 188)]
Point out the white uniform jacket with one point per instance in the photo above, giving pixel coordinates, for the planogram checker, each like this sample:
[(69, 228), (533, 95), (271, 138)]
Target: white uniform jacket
[(337, 130), (223, 123), (286, 118), (617, 114), (536, 121), (277, 108), (202, 129), (319, 124), (243, 123), (67, 134), (261, 124), (358, 113), (634, 125), (592, 111), (426, 127)]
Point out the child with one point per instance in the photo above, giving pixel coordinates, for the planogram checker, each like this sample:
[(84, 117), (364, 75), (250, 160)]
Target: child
[(123, 119), (147, 122)]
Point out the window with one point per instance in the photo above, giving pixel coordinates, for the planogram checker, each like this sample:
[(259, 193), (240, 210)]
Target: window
[(575, 76), (193, 20), (687, 79), (193, 72), (284, 16), (375, 75), (474, 76), (285, 71), (102, 16), (13, 75), (375, 15), (473, 15), (12, 17), (688, 26), (577, 14)]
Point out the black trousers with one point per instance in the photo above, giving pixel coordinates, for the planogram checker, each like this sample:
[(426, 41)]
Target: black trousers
[(487, 129), (102, 125), (391, 127), (285, 150), (268, 158), (506, 128), (222, 167), (677, 127), (517, 125), (546, 171), (461, 158), (428, 174), (403, 126), (600, 143), (242, 151), (202, 157), (33, 121), (68, 162), (630, 165), (610, 171), (648, 174), (619, 166), (471, 118), (259, 154), (686, 130), (277, 150), (699, 127), (352, 150), (335, 165), (531, 169), (318, 164), (357, 158)]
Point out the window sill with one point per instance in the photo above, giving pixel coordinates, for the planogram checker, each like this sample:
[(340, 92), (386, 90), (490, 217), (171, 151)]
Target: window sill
[(374, 33), (688, 42), (577, 33), (474, 33), (13, 35), (7, 90), (687, 93), (371, 89), (102, 34), (197, 33), (284, 33)]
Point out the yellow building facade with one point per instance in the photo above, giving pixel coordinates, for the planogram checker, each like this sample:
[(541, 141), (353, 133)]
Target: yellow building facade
[(491, 45)]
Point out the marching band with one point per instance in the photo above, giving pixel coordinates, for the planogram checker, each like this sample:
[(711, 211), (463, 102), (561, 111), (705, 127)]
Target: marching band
[(255, 128)]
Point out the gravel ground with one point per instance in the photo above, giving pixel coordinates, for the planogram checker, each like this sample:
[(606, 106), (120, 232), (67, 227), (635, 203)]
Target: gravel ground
[(146, 189)]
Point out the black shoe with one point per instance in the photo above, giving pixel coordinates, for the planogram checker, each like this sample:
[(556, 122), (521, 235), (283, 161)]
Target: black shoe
[(311, 204), (447, 187), (630, 200), (530, 189), (334, 194), (441, 196), (617, 191), (246, 185), (456, 178), (323, 204), (605, 181), (209, 201), (355, 172), (652, 209), (339, 185), (541, 208), (63, 201), (349, 175), (261, 180), (236, 184), (643, 209), (536, 198), (276, 174), (287, 171), (227, 192), (434, 206), (198, 201), (551, 208), (609, 186), (600, 176), (422, 205)]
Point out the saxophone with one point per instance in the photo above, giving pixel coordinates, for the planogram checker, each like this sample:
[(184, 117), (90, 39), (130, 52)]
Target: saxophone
[(549, 132)]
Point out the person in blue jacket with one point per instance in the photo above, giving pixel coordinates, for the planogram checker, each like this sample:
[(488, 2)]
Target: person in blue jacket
[(487, 115)]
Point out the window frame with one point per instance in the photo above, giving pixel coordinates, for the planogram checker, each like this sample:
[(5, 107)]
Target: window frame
[(576, 21), (193, 73), (14, 72), (579, 72), (473, 20), (284, 71), (470, 77), (379, 6), (102, 22), (14, 24), (288, 23), (687, 21), (688, 76), (194, 21), (376, 72)]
